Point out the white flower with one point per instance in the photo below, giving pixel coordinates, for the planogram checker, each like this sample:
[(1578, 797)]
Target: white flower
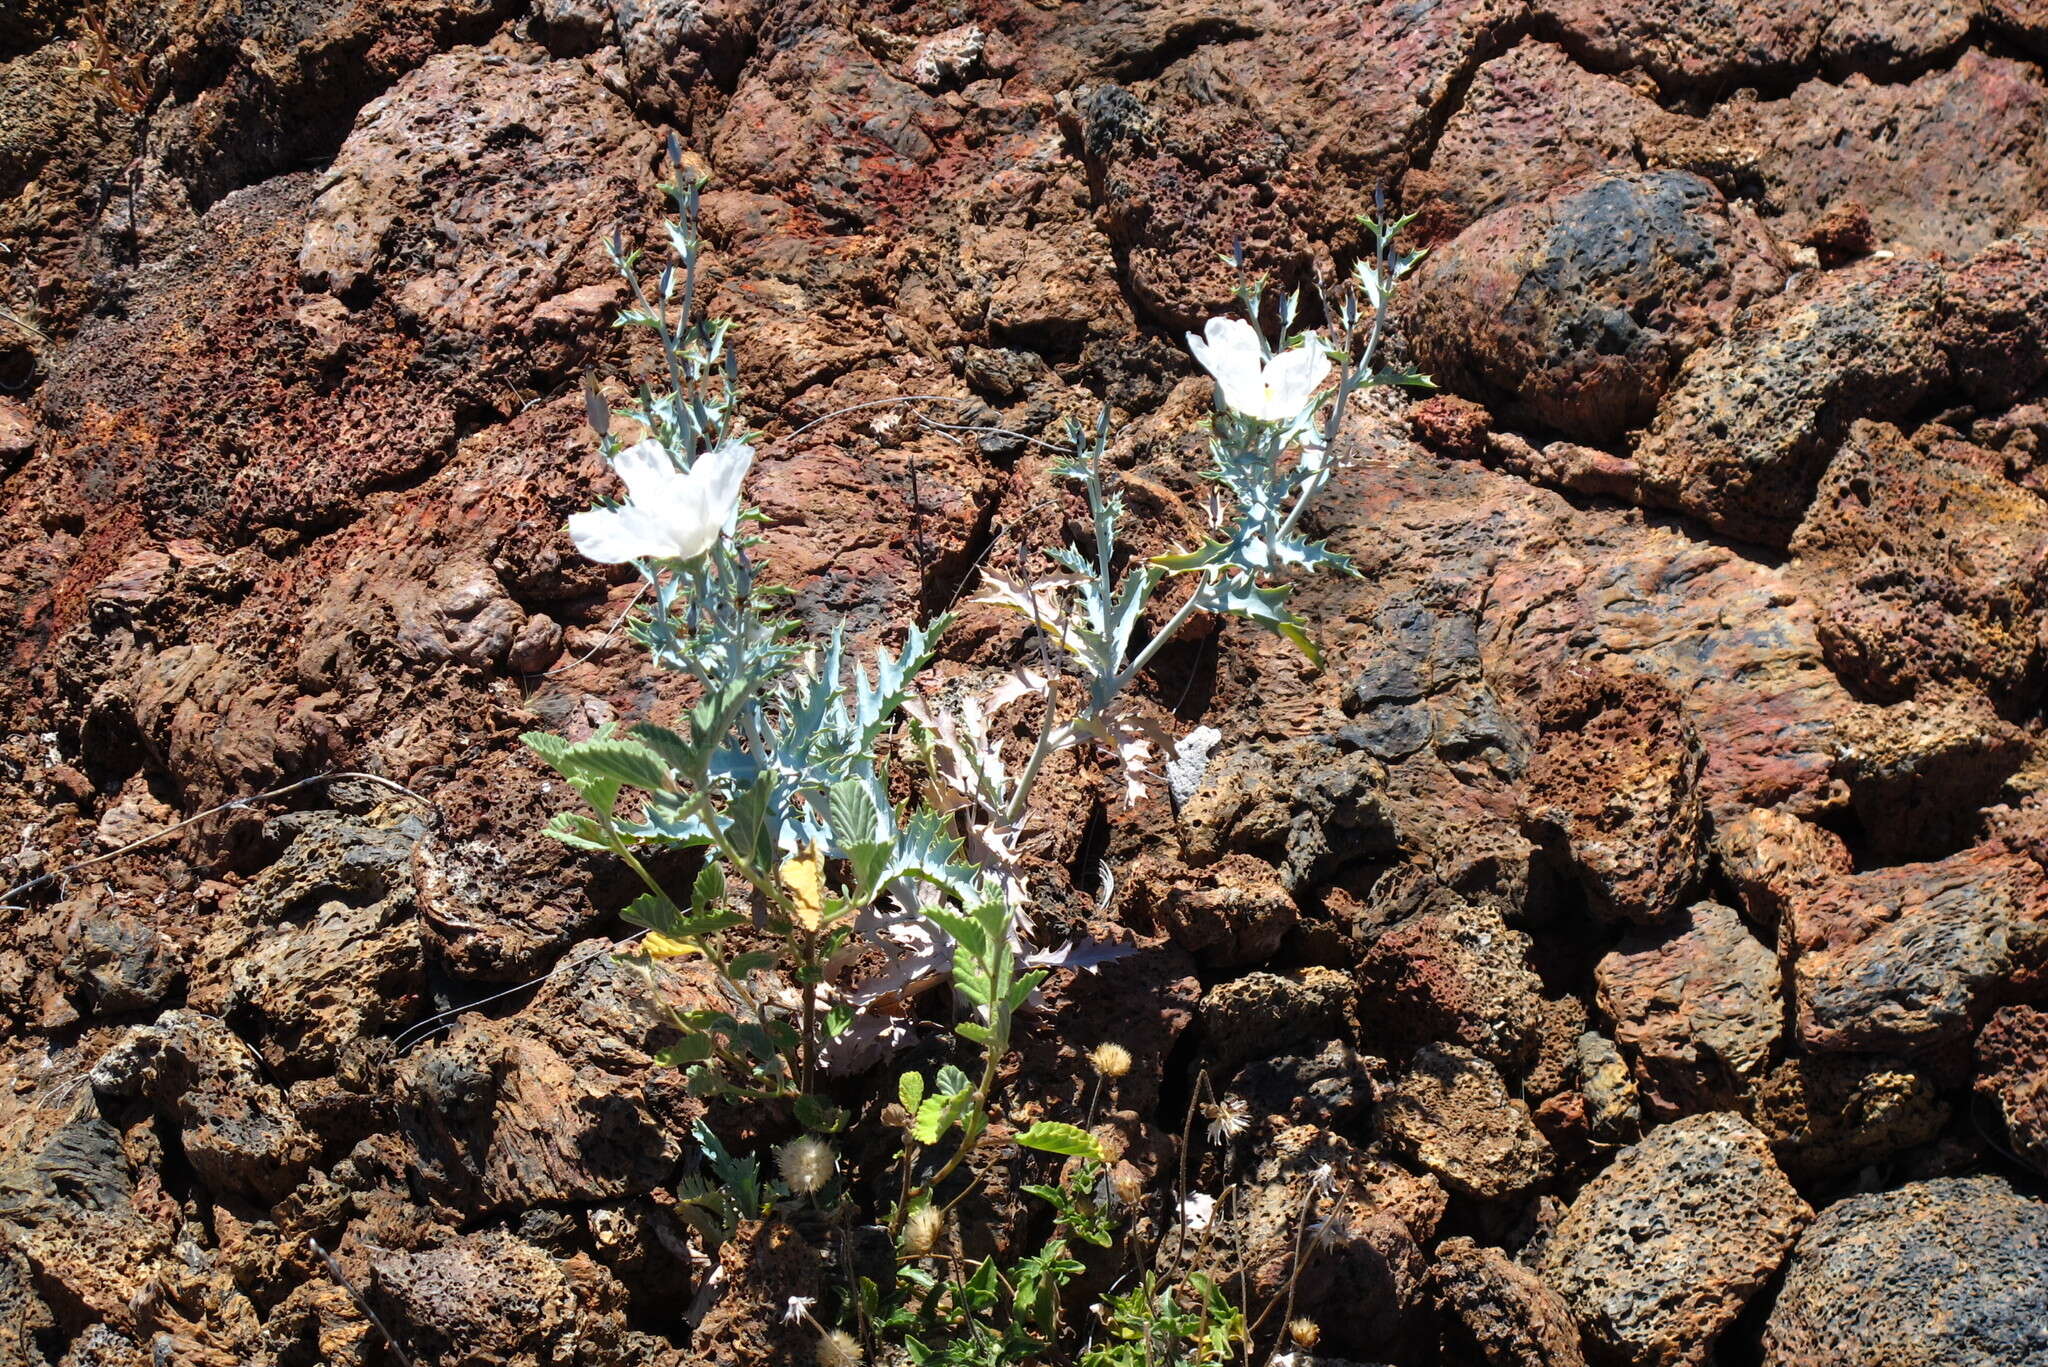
[(1275, 390), (1198, 1210), (1228, 1118), (799, 1307), (668, 514)]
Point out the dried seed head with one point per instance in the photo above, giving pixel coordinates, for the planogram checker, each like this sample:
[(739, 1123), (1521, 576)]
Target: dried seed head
[(839, 1349), (1304, 1332), (1127, 1186), (1110, 1060), (921, 1231), (807, 1164)]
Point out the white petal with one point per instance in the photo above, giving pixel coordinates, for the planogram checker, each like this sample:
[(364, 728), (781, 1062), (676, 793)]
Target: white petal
[(701, 504), (1229, 350), (723, 468), (647, 470), (1292, 378), (612, 536)]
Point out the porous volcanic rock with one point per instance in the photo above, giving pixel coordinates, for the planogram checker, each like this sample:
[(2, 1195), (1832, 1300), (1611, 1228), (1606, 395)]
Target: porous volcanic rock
[(1614, 791), (488, 1299), (1697, 1007), (1172, 183), (1911, 605), (1574, 310), (482, 147), (1661, 1251), (1951, 1272), (1753, 417), (2012, 1080), (1996, 350), (1907, 958), (1453, 970), (561, 1102), (1946, 162), (1502, 1310), (1531, 120), (1263, 1014), (323, 947), (1830, 1115), (1309, 807), (1452, 1115), (235, 1129)]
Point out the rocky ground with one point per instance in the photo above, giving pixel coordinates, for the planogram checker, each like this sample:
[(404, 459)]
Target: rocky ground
[(1644, 914)]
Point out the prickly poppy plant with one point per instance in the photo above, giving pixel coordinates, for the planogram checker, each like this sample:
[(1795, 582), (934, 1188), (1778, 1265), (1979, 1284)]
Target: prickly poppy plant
[(773, 775)]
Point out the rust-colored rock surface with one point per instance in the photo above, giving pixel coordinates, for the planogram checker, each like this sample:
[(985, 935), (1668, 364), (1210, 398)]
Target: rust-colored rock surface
[(1613, 788), (1713, 573), (1697, 1007)]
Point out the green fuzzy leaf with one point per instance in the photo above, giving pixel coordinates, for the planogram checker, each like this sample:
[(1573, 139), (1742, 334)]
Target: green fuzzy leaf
[(577, 831), (933, 1118), (685, 1051), (709, 889), (952, 1082), (1054, 1136), (678, 754), (625, 762), (550, 748), (910, 1090)]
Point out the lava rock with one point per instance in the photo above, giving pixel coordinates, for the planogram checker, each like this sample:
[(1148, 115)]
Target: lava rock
[(1614, 792), (1500, 1312), (1531, 120), (1452, 1115), (492, 1300), (1661, 1251), (1831, 1115), (1367, 1286), (1265, 1014), (1574, 311), (1908, 958), (1752, 418), (2012, 1063), (1453, 971), (1952, 1272), (323, 946), (235, 1129), (1911, 606), (1697, 1008)]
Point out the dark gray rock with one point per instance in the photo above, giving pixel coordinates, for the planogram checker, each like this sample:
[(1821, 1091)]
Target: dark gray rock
[(1573, 311), (1949, 1273)]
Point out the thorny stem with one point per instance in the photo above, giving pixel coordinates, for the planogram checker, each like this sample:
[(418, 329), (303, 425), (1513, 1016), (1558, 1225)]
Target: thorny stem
[(1165, 633), (1047, 726)]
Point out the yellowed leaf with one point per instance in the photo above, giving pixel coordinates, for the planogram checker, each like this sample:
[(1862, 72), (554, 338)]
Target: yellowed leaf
[(803, 878), (660, 946)]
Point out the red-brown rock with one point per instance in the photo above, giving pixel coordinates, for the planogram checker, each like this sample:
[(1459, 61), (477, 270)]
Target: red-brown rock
[(1697, 1008), (1613, 790), (1574, 310)]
